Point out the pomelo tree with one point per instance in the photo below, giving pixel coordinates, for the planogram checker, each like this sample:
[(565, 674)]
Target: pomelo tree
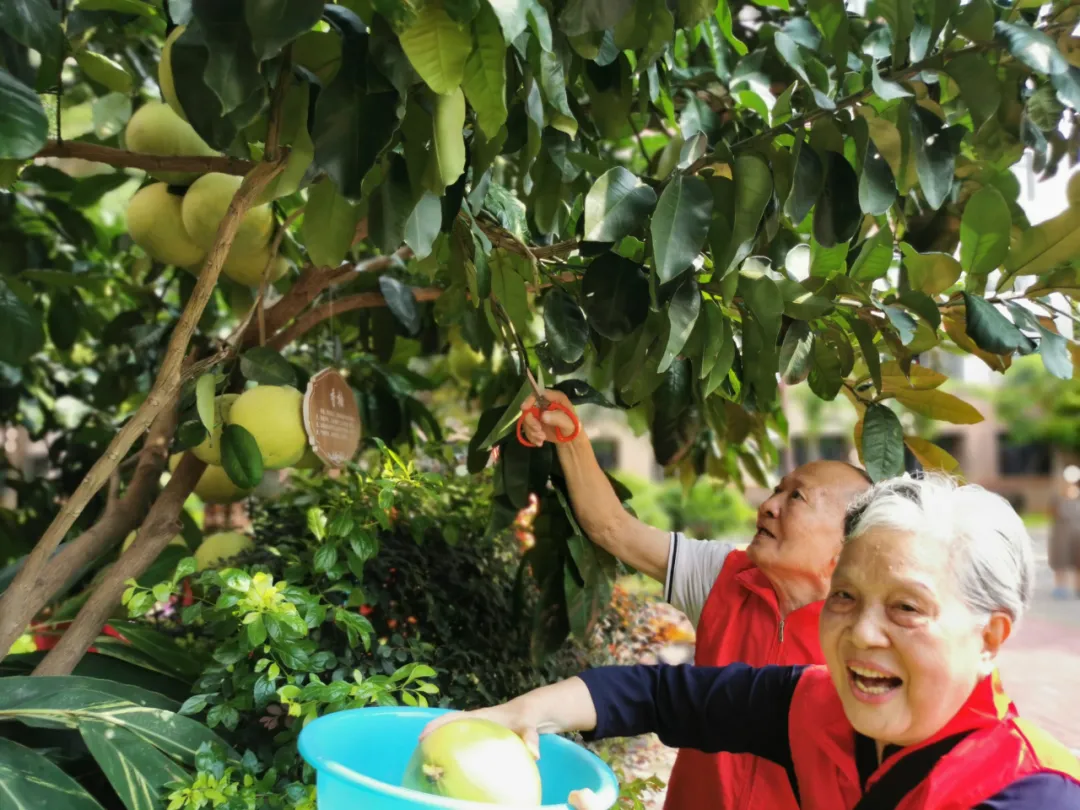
[(674, 208)]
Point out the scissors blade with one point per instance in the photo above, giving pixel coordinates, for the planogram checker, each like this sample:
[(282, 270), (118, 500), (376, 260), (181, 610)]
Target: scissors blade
[(538, 386)]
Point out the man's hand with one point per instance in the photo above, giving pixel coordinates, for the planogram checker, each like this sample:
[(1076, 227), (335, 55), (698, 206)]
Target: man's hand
[(537, 431)]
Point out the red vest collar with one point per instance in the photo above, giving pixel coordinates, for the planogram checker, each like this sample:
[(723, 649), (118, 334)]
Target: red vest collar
[(986, 706), (754, 580)]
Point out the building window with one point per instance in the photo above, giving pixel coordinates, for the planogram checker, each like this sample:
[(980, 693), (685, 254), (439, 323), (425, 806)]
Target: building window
[(607, 453), (833, 448), (1022, 459), (800, 451)]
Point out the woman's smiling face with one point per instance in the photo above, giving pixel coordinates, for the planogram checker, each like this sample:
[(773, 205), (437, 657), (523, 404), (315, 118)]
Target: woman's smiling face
[(902, 646)]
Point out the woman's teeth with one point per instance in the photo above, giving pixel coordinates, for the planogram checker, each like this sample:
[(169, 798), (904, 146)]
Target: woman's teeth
[(873, 682)]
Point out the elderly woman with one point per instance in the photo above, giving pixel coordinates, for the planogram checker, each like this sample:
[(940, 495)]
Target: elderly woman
[(908, 712)]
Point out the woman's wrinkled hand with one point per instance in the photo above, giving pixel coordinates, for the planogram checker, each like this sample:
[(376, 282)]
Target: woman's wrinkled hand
[(585, 800)]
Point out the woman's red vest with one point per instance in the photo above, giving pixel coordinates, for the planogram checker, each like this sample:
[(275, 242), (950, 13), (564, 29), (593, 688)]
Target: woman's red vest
[(1001, 749)]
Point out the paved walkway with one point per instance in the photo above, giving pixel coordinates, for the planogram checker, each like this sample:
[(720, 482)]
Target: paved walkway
[(1040, 665)]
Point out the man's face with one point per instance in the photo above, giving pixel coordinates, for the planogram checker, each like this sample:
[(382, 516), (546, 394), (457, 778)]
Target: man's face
[(801, 526)]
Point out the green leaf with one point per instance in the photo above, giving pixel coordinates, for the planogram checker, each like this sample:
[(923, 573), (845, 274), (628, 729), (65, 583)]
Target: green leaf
[(266, 366), (800, 303), (512, 16), (329, 224), (24, 127), (478, 456), (939, 405), (484, 80), (882, 443), (402, 302), (753, 190), (204, 401), (795, 353), (976, 21), (979, 85), (875, 257), (1045, 246), (1055, 354), (241, 457), (565, 327), (582, 16), (508, 419), (21, 334), (905, 325), (276, 23), (137, 772), (931, 273), (682, 311), (930, 456), (717, 338), (616, 205), (438, 48), (990, 330), (33, 23), (826, 371), (449, 121), (509, 288), (807, 185), (64, 325), (724, 20), (865, 335), (390, 206), (984, 231), (423, 225), (900, 16), (831, 18), (1034, 48), (524, 470), (104, 71), (679, 225), (763, 299), (353, 125), (616, 296), (324, 559), (936, 147), (885, 88), (29, 780), (838, 215), (877, 186)]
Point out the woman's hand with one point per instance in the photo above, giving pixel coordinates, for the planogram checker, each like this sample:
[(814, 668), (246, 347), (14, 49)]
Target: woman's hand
[(537, 431), (514, 717)]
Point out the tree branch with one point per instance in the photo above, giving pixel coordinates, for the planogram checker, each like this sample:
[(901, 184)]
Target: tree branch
[(122, 159), (163, 393), (119, 518), (154, 535), (273, 132)]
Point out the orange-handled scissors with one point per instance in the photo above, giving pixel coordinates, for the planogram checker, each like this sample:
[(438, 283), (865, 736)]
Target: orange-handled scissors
[(545, 405)]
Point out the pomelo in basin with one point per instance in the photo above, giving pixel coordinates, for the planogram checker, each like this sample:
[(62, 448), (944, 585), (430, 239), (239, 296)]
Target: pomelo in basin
[(475, 760)]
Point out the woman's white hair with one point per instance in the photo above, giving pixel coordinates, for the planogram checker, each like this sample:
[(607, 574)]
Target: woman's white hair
[(991, 550)]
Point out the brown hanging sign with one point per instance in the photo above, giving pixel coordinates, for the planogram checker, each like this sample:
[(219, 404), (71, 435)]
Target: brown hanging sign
[(331, 418)]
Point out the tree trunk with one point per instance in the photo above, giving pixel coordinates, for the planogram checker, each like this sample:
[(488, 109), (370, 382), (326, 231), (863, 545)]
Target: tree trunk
[(160, 527)]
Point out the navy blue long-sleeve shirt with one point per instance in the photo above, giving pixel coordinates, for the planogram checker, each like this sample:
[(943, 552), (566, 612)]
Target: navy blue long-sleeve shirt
[(744, 710)]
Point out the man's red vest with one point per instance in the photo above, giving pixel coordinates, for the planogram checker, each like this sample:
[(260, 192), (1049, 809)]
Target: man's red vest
[(741, 623), (1001, 749)]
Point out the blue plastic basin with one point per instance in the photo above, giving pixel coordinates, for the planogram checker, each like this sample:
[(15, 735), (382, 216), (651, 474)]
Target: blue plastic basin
[(360, 756)]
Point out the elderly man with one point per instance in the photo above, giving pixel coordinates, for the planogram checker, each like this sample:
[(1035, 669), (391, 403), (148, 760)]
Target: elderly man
[(757, 607)]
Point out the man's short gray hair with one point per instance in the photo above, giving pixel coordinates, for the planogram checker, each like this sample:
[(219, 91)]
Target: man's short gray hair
[(991, 549)]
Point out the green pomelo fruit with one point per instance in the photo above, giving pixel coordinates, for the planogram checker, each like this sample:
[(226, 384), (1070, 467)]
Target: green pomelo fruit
[(165, 75), (273, 415), (247, 267), (475, 760), (205, 205), (214, 484), (156, 129), (155, 224), (221, 546), (209, 449)]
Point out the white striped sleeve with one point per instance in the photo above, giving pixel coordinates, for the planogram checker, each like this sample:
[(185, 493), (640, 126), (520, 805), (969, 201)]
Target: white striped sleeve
[(693, 566)]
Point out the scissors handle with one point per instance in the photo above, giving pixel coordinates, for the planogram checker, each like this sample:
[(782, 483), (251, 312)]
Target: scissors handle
[(560, 437)]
